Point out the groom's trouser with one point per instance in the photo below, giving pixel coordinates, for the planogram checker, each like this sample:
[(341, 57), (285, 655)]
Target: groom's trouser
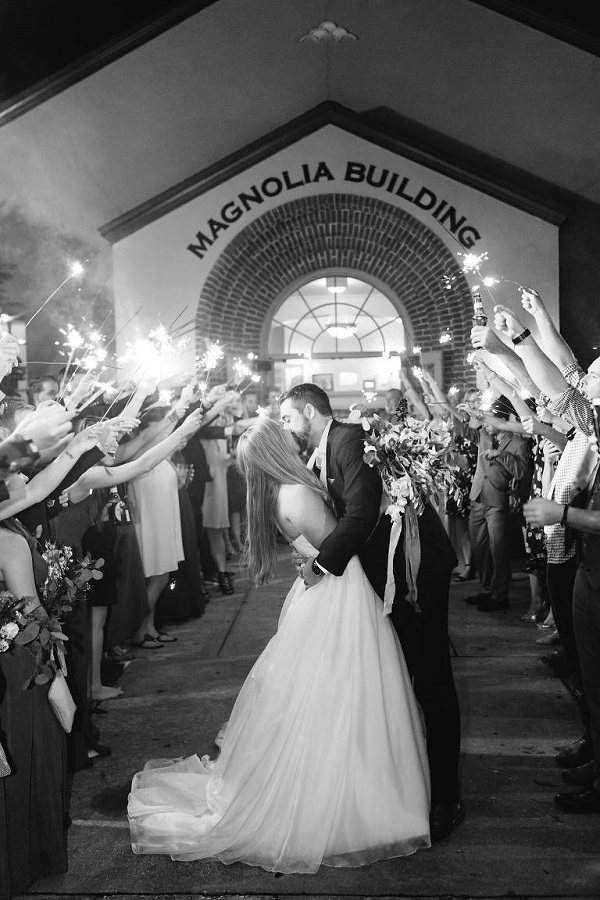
[(424, 639), (426, 646)]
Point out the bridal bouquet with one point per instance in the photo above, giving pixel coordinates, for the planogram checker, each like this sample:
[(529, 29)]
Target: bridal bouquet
[(412, 457)]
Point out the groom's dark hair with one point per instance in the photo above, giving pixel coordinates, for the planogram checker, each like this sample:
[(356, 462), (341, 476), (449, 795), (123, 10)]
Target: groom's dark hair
[(301, 394)]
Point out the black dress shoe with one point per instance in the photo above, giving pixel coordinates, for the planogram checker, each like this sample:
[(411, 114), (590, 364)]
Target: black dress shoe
[(580, 776), (577, 754), (584, 802), (443, 818), (493, 604), (477, 598), (100, 749)]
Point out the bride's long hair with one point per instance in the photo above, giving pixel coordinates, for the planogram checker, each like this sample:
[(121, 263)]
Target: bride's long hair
[(266, 461)]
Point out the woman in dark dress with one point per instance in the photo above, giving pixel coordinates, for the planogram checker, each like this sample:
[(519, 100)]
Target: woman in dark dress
[(33, 797)]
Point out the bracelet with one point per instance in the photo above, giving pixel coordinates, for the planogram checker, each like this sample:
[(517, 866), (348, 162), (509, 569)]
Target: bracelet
[(521, 337), (563, 521)]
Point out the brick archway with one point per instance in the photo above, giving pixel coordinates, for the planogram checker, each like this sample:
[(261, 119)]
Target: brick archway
[(342, 231)]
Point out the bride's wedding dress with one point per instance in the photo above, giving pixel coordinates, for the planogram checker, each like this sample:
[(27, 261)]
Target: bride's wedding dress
[(323, 759)]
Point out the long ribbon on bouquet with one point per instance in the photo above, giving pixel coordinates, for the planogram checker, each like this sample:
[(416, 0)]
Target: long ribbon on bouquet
[(408, 525)]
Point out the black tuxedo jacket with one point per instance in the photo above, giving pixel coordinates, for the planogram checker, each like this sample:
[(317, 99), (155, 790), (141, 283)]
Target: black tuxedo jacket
[(356, 491)]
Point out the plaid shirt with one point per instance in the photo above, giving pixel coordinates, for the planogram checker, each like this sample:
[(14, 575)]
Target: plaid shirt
[(572, 406)]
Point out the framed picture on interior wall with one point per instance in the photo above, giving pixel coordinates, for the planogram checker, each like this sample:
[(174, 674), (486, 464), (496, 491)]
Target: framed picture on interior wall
[(325, 382)]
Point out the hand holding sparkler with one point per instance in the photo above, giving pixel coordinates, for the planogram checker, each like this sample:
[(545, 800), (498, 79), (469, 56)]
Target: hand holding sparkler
[(506, 322), (145, 387), (190, 425), (73, 398), (531, 301), (45, 426)]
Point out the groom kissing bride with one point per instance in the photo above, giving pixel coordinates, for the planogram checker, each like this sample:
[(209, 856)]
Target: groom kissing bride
[(337, 457)]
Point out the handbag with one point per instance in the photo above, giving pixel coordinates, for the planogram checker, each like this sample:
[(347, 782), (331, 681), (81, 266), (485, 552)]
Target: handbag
[(61, 701)]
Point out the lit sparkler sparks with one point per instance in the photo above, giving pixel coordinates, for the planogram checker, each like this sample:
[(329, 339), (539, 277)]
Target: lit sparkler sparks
[(487, 398), (472, 261), (445, 337)]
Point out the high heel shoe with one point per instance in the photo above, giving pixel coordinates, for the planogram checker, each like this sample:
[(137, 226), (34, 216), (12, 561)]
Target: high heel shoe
[(225, 585)]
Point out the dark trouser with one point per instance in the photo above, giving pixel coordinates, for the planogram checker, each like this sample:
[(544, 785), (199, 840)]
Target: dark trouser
[(586, 618), (489, 529), (426, 646), (560, 578)]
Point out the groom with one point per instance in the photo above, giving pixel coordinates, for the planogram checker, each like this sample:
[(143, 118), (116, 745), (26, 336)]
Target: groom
[(336, 456)]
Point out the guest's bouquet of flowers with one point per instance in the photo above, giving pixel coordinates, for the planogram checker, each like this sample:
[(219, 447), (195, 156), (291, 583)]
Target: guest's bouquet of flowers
[(413, 457), (68, 578), (39, 630), (41, 634)]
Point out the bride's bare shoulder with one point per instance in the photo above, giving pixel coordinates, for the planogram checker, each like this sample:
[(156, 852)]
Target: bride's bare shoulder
[(295, 493)]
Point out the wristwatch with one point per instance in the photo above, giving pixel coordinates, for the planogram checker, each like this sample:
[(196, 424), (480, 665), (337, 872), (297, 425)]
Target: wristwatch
[(315, 568), (521, 337)]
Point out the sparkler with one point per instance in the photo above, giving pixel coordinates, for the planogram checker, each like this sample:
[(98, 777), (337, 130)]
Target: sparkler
[(76, 269), (74, 341)]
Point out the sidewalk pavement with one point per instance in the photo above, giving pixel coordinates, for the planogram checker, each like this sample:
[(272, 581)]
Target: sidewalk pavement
[(515, 712)]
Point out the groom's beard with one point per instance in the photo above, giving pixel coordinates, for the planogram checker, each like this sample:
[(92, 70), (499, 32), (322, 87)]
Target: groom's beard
[(301, 437)]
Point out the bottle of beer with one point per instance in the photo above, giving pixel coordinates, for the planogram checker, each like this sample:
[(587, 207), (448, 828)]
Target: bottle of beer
[(479, 316), (118, 510)]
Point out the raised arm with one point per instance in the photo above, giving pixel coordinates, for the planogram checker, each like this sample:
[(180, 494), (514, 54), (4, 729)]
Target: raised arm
[(546, 375), (550, 339), (487, 343), (107, 476), (50, 477)]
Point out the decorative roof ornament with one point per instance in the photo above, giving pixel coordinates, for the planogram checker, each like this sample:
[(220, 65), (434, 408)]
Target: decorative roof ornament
[(328, 31)]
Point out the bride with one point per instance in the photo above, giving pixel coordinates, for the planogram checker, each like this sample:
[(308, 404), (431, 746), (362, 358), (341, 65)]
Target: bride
[(323, 760)]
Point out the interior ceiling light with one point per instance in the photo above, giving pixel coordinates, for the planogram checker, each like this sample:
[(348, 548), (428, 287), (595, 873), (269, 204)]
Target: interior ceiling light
[(341, 331), (328, 31), (336, 285)]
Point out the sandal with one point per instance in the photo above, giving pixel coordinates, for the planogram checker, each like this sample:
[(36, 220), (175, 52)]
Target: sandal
[(147, 643), (165, 638)]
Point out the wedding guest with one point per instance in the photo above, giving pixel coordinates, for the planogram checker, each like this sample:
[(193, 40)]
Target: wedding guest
[(586, 615), (33, 794), (466, 429), (154, 506), (554, 369), (249, 405), (502, 456), (182, 598), (215, 508), (46, 387)]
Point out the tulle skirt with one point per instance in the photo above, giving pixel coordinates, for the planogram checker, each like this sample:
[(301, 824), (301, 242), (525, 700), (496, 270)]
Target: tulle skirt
[(323, 760)]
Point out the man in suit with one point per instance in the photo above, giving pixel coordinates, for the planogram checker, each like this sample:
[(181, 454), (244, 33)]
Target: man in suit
[(336, 455)]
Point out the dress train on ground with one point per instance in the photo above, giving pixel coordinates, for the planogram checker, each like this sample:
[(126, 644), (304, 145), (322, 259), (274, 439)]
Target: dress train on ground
[(323, 760)]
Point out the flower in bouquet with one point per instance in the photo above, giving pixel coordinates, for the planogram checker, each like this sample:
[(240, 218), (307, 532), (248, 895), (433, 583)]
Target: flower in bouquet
[(68, 578), (412, 457), (36, 631)]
